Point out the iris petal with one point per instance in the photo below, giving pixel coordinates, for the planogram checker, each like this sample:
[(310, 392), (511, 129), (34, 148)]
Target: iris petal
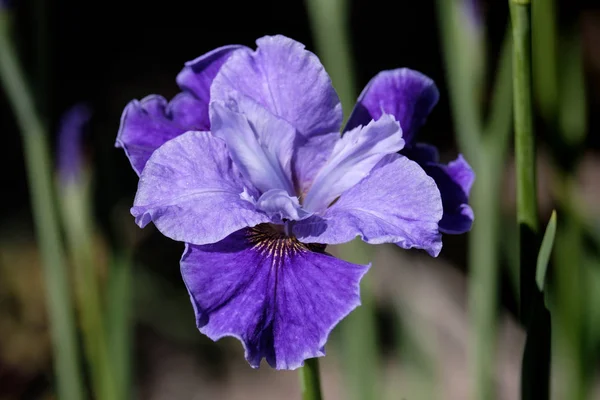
[(286, 79), (274, 294), (396, 203), (352, 158), (192, 191), (147, 124), (404, 93), (260, 143)]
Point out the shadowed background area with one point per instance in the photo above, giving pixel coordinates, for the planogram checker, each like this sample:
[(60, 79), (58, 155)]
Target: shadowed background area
[(106, 53)]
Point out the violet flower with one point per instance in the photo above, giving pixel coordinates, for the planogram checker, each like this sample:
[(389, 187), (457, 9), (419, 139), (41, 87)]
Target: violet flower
[(410, 96), (248, 168)]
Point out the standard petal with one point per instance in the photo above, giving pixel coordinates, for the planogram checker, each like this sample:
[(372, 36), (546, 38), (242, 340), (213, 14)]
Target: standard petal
[(404, 93), (352, 158), (311, 155), (260, 143), (274, 294), (454, 182), (396, 203), (147, 124), (285, 78), (192, 191), (198, 74)]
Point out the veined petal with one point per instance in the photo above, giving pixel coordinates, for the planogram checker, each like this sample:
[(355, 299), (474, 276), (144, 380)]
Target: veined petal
[(192, 191), (454, 181), (286, 79), (396, 203), (310, 156), (404, 93), (147, 124), (353, 157), (260, 143), (198, 74), (277, 296)]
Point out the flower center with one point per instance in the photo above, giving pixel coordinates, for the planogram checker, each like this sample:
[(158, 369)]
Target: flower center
[(272, 240)]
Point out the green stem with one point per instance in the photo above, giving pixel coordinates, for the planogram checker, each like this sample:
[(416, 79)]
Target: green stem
[(37, 159), (310, 380), (527, 212)]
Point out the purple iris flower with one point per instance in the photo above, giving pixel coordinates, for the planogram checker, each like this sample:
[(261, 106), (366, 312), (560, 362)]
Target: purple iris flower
[(410, 96), (247, 167)]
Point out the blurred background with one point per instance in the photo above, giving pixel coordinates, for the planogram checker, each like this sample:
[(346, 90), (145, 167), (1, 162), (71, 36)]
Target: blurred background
[(416, 326)]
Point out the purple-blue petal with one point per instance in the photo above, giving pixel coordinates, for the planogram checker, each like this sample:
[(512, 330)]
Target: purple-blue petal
[(396, 203), (310, 156), (286, 79), (353, 157), (192, 192), (277, 296), (406, 94), (147, 124), (198, 74), (280, 206), (260, 143), (454, 181)]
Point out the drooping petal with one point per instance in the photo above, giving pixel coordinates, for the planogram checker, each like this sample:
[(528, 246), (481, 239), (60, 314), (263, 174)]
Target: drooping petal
[(406, 94), (286, 79), (192, 191), (454, 181), (260, 143), (279, 205), (396, 203), (198, 74), (310, 156), (353, 157), (147, 124), (274, 294)]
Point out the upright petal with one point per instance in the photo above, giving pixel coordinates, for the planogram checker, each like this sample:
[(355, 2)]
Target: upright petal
[(404, 93), (260, 143), (353, 157), (286, 79), (198, 74), (310, 156), (192, 191), (454, 181), (396, 203), (147, 124), (274, 294)]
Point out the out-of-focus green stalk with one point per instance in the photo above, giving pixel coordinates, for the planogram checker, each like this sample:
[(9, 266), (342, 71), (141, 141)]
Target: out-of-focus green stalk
[(329, 21), (545, 69), (310, 380), (76, 217), (119, 311), (486, 153), (39, 171), (464, 90), (358, 333)]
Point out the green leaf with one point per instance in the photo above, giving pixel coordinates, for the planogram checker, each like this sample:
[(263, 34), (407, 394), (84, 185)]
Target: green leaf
[(545, 251)]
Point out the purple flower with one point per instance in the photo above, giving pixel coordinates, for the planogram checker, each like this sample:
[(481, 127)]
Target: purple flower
[(410, 96), (248, 168), (70, 135)]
